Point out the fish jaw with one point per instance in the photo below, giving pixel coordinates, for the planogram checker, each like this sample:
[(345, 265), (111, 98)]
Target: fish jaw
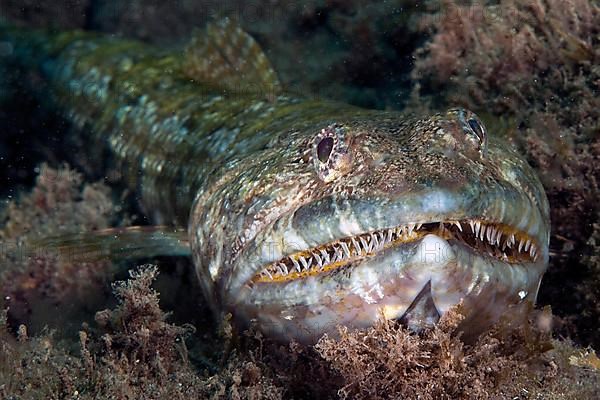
[(391, 263), (433, 273), (415, 179)]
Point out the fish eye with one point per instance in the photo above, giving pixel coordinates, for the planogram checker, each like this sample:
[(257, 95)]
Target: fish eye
[(330, 153), (477, 128), (472, 128), (324, 149)]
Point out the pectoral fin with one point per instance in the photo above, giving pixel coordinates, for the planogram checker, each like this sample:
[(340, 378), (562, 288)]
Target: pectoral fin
[(118, 243)]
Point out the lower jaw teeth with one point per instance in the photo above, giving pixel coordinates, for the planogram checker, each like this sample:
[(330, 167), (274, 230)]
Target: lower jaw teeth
[(490, 240)]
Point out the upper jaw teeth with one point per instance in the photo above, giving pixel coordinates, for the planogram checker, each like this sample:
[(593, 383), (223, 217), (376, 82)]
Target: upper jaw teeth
[(499, 239), (496, 236)]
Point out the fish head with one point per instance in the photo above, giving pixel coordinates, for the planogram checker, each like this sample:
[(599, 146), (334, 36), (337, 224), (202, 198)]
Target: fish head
[(348, 220)]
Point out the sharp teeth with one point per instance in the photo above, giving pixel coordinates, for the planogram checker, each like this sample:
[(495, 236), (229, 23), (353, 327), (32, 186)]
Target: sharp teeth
[(296, 265), (364, 244), (493, 235), (303, 262), (374, 241), (318, 259), (346, 249), (369, 240), (334, 257), (533, 251), (284, 268), (378, 243), (339, 254), (458, 225), (361, 245), (356, 246), (382, 238), (325, 256)]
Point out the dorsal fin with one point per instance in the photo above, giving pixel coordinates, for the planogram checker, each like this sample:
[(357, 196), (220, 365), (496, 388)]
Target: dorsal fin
[(226, 57)]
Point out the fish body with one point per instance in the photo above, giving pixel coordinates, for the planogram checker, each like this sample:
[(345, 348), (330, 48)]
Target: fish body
[(305, 214)]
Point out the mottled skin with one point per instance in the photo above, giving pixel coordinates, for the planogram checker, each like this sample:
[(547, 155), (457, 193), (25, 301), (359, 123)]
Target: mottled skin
[(403, 171), (251, 176)]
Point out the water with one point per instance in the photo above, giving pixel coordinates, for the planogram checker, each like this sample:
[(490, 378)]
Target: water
[(530, 70)]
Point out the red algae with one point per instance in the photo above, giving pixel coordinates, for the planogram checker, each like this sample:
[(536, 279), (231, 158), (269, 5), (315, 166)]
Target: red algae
[(34, 280), (516, 359), (134, 353)]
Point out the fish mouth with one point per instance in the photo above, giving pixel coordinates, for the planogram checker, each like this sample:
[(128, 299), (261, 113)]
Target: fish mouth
[(490, 239), (345, 262)]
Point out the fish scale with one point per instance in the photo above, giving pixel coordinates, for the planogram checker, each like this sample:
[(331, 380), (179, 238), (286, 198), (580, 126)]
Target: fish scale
[(144, 98)]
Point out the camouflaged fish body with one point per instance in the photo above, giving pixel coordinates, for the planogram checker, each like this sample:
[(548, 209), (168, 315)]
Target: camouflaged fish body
[(306, 214)]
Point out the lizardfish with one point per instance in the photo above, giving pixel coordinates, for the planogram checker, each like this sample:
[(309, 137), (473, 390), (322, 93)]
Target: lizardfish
[(302, 214)]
